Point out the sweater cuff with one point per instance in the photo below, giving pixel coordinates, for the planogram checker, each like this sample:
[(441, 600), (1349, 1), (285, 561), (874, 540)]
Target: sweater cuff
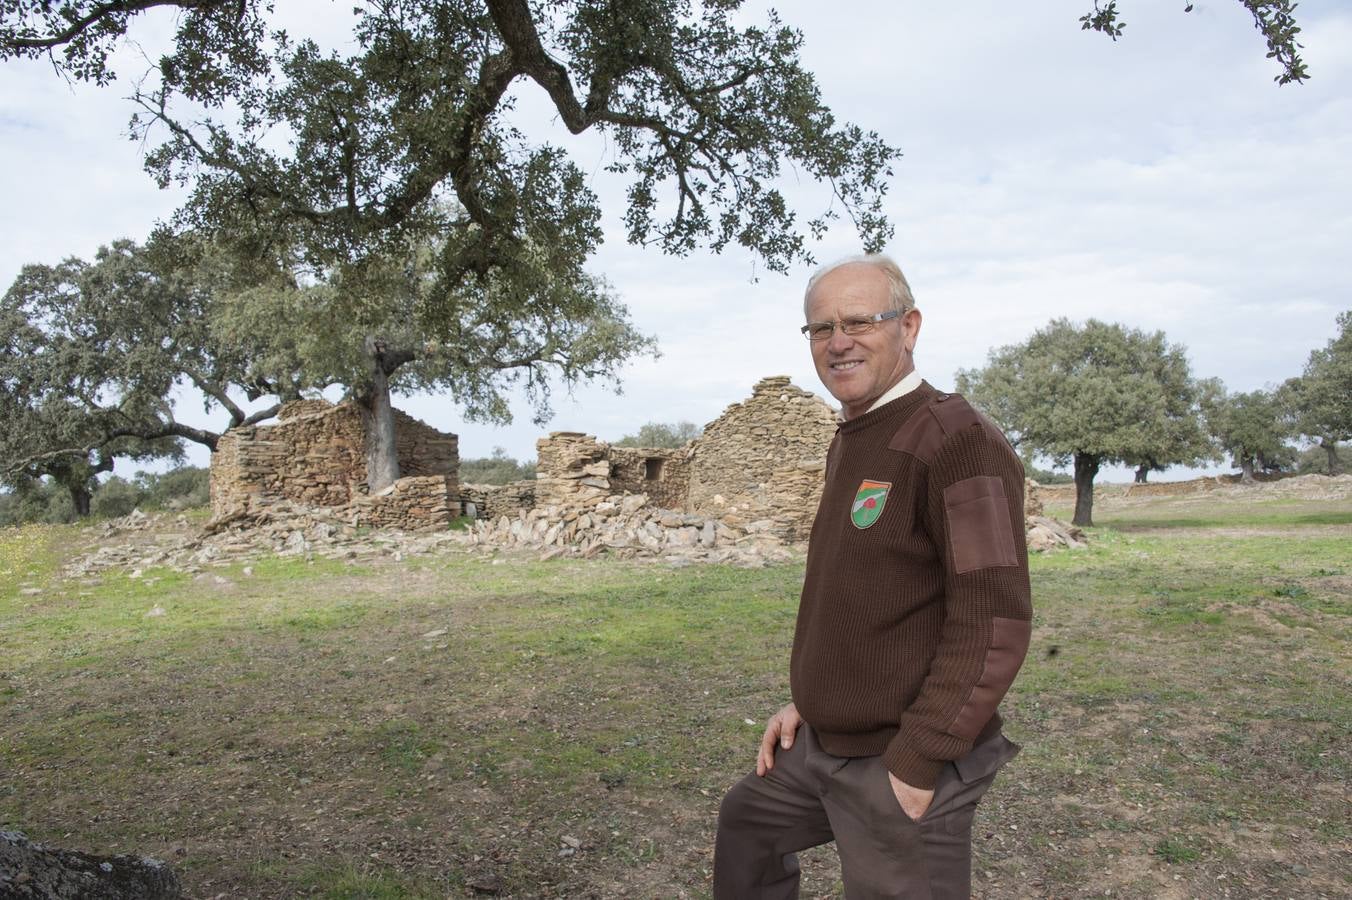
[(908, 765)]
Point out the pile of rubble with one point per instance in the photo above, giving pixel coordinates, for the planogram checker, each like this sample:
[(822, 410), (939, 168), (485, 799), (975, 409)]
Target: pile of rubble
[(627, 526), (282, 528), (1042, 531)]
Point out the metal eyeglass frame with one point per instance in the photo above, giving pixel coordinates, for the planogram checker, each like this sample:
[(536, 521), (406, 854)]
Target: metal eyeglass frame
[(852, 326)]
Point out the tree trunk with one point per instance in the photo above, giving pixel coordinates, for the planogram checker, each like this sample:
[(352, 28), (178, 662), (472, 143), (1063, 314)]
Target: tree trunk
[(1246, 469), (1086, 467), (382, 457), (1141, 472), (80, 497), (1331, 448)]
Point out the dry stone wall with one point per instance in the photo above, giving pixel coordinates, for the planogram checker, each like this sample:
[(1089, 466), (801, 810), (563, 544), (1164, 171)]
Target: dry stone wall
[(571, 469), (663, 474), (761, 462), (492, 501), (411, 503), (765, 458), (315, 455)]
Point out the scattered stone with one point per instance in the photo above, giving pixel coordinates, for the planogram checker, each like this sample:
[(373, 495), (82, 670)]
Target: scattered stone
[(435, 633), (29, 591), (1048, 534), (154, 611)]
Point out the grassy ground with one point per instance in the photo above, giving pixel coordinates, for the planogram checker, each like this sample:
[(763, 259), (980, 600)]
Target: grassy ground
[(431, 728)]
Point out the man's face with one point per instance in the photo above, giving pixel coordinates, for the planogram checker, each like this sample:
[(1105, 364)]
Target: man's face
[(859, 369)]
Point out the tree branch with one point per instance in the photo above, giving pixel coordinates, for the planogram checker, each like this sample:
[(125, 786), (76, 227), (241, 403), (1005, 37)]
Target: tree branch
[(100, 12)]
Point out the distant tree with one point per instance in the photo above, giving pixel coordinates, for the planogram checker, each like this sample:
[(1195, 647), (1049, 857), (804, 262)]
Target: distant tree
[(662, 434), (1046, 476), (1252, 428), (184, 487), (34, 500), (1314, 460), (92, 355), (1320, 400), (1275, 19), (343, 162), (499, 468), (1092, 394)]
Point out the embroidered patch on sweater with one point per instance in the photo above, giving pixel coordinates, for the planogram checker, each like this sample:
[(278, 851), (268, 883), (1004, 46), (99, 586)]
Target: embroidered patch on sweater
[(868, 502)]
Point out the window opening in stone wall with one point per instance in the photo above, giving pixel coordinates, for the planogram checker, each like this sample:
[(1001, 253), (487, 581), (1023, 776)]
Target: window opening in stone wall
[(652, 469)]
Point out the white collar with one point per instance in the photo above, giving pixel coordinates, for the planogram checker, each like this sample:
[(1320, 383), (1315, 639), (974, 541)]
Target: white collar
[(900, 389)]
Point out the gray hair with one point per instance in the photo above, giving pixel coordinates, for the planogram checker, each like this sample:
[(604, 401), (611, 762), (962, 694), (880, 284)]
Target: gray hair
[(899, 291)]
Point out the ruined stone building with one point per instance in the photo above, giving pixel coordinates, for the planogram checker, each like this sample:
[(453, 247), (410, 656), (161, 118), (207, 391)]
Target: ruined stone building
[(760, 461), (315, 455)]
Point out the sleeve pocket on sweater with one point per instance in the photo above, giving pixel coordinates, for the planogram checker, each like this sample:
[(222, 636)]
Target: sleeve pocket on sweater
[(979, 531)]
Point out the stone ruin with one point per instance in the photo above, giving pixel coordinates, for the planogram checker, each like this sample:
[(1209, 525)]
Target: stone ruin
[(1042, 531), (752, 479), (315, 456), (762, 460)]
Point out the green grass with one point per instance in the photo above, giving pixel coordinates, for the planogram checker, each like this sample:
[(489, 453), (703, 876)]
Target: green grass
[(1185, 703)]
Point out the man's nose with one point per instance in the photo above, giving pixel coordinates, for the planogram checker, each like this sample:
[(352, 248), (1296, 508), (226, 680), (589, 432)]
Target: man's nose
[(839, 341)]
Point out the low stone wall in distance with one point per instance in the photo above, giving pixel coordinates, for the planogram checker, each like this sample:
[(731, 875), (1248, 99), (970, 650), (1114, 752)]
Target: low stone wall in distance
[(492, 501)]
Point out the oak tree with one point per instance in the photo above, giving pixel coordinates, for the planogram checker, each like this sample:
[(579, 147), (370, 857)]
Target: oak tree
[(1092, 394), (92, 354), (1320, 400), (341, 162), (1252, 426)]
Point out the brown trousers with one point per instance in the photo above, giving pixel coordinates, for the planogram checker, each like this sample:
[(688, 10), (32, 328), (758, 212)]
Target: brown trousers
[(811, 797)]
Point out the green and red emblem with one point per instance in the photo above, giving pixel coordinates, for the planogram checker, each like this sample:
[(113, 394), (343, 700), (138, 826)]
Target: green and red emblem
[(868, 502)]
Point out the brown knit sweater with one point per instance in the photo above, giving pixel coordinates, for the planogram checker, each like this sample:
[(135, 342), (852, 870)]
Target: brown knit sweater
[(914, 617)]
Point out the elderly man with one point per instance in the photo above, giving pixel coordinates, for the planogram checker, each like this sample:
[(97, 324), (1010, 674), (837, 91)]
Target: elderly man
[(914, 619)]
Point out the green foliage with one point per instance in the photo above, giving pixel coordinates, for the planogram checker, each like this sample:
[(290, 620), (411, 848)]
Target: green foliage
[(1094, 393), (420, 234), (1117, 393), (93, 354), (662, 434), (39, 500), (1274, 19), (704, 114), (499, 468), (1253, 428), (115, 497), (35, 500), (187, 487), (1320, 400), (1046, 476), (1317, 460)]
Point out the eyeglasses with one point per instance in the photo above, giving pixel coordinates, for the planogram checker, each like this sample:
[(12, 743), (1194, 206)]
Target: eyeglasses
[(855, 325)]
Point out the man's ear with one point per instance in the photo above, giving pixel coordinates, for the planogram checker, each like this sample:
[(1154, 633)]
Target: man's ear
[(910, 328)]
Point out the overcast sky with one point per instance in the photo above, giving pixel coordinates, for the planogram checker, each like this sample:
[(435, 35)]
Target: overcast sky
[(1163, 181)]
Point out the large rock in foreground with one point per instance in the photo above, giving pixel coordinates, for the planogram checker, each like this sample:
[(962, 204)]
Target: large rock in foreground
[(29, 870)]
